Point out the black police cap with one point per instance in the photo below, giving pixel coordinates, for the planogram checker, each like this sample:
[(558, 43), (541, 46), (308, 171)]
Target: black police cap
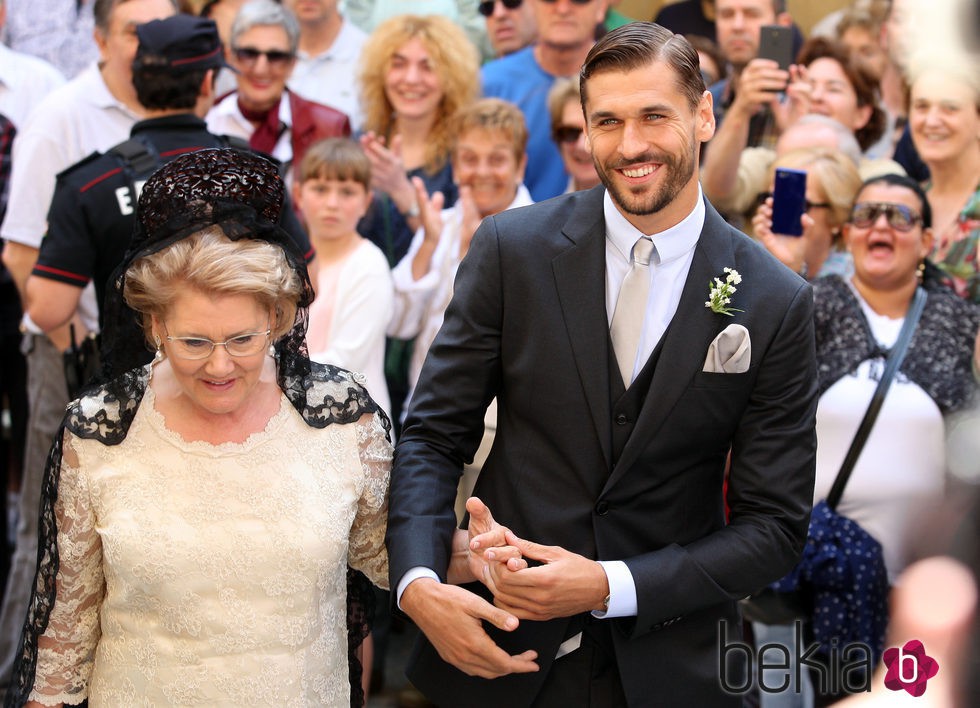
[(181, 42)]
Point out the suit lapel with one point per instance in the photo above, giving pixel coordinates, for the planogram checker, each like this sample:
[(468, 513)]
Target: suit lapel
[(685, 344), (580, 278)]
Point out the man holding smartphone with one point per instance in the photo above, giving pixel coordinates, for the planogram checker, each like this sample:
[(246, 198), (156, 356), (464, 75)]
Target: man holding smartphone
[(744, 102), (746, 106)]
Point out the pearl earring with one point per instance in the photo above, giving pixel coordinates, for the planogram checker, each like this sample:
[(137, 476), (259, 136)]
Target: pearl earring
[(158, 355)]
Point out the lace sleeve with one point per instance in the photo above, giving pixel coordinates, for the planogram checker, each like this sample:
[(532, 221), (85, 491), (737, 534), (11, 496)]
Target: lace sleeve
[(367, 548), (66, 650)]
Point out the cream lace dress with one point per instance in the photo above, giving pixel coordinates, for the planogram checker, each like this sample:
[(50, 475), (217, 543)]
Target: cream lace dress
[(195, 574)]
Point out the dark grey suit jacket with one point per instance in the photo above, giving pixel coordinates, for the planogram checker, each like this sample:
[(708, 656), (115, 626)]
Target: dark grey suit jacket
[(528, 325)]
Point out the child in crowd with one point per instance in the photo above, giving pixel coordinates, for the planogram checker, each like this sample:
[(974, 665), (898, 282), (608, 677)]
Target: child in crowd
[(353, 283)]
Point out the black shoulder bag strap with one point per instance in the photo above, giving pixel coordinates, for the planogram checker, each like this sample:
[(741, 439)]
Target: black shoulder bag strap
[(895, 357)]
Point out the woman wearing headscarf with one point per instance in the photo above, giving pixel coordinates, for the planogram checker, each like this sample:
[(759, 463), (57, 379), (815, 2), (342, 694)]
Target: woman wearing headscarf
[(200, 508)]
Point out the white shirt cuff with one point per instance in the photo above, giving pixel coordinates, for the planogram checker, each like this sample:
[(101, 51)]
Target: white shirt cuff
[(414, 574), (622, 591)]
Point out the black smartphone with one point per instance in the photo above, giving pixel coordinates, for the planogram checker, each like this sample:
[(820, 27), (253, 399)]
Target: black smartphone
[(788, 201), (776, 43)]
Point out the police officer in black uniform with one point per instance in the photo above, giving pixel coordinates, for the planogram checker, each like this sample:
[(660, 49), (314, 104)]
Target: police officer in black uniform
[(92, 213)]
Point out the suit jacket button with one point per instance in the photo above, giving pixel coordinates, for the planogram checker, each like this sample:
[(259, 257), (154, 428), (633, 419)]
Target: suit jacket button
[(622, 419), (602, 508)]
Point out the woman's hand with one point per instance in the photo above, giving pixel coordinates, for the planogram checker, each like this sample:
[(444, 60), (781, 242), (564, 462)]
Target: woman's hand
[(430, 219), (790, 250), (798, 98), (388, 170)]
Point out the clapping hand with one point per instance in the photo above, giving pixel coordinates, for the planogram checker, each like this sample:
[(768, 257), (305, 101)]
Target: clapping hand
[(388, 170)]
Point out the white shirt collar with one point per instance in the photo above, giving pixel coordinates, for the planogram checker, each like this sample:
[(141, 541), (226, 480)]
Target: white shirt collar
[(670, 244)]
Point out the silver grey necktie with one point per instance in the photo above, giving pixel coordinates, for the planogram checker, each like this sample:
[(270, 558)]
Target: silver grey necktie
[(627, 322)]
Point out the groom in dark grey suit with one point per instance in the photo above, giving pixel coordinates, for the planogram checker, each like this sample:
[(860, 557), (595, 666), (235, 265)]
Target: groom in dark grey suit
[(613, 461)]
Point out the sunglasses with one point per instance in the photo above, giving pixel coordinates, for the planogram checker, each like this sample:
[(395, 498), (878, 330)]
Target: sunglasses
[(275, 57), (486, 7), (567, 134), (900, 217)]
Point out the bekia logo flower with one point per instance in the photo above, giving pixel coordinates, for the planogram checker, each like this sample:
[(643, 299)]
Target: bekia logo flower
[(909, 668)]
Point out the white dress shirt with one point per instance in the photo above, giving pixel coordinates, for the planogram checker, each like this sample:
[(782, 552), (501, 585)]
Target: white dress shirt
[(673, 251)]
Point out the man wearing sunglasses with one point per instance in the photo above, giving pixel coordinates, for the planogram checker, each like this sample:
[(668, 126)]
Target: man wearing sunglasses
[(620, 393), (510, 24), (566, 32)]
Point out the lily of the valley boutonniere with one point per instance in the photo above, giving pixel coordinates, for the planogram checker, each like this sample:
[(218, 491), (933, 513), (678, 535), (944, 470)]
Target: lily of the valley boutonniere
[(720, 293)]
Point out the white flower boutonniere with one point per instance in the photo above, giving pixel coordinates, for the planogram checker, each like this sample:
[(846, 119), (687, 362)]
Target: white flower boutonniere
[(720, 293)]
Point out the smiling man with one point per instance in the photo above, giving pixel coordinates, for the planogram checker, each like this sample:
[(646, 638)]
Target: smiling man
[(621, 394)]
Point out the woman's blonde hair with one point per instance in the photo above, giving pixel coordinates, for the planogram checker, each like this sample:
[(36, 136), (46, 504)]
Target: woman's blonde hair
[(454, 59), (211, 263), (837, 177)]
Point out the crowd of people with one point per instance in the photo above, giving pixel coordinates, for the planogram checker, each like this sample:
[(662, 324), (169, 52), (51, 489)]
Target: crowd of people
[(315, 313)]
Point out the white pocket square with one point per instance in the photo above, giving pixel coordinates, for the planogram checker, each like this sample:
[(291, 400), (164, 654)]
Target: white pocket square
[(730, 352)]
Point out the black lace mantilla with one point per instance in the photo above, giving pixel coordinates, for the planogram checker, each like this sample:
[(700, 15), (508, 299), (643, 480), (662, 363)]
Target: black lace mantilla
[(939, 358), (243, 194)]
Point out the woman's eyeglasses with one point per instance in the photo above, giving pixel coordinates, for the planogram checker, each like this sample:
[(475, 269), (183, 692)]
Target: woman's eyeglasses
[(567, 134), (200, 347), (486, 7), (276, 57), (900, 217)]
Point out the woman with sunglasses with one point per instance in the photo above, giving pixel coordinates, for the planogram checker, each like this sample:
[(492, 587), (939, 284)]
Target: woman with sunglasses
[(568, 132), (902, 466), (274, 120), (944, 121), (899, 477)]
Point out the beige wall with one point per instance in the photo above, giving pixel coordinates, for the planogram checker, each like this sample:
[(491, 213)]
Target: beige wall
[(805, 12)]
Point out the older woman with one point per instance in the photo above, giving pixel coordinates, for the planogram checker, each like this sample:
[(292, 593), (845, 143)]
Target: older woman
[(415, 73), (200, 510), (944, 119), (831, 182), (568, 132), (488, 160), (273, 119)]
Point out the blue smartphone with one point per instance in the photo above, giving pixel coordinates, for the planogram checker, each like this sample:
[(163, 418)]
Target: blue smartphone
[(788, 201)]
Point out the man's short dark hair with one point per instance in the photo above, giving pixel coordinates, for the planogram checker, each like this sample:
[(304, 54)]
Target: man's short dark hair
[(162, 88), (640, 43), (102, 11)]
